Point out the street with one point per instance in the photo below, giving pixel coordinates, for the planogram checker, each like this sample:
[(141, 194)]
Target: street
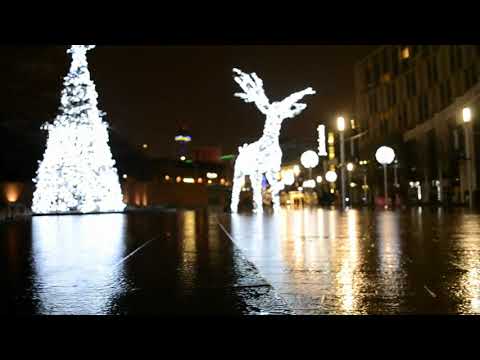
[(186, 262), (322, 261)]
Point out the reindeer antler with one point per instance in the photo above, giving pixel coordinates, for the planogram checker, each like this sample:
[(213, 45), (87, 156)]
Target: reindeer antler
[(291, 107), (252, 86)]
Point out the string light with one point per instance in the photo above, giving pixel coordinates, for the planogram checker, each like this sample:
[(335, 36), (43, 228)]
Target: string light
[(263, 157), (77, 173)]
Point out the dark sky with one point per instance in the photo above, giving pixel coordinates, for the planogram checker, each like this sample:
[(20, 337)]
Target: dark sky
[(147, 92)]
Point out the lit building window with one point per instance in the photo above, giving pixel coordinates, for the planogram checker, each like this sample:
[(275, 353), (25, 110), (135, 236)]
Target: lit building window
[(222, 181), (405, 53), (331, 147), (145, 146), (209, 181), (188, 180), (178, 179), (200, 180), (212, 175), (352, 124), (167, 178)]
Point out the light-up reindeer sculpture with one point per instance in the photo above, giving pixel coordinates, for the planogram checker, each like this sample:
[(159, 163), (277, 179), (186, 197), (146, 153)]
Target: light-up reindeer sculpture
[(265, 155)]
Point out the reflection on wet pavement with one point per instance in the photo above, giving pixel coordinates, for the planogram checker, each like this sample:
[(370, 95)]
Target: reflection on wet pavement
[(324, 261), (139, 263)]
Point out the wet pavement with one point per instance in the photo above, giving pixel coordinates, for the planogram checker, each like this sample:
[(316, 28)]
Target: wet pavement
[(309, 261), (146, 263), (323, 261)]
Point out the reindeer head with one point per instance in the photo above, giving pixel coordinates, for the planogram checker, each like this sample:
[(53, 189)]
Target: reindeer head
[(275, 112)]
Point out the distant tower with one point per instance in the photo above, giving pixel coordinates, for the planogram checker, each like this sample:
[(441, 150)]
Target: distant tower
[(182, 140)]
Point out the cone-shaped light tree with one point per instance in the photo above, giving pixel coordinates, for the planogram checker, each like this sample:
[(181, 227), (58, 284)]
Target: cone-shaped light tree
[(77, 173)]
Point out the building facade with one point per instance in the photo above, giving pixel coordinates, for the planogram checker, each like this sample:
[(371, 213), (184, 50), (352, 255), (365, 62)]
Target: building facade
[(411, 97)]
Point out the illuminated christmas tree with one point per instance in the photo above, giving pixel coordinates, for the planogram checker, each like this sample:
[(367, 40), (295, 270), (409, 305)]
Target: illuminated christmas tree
[(77, 173)]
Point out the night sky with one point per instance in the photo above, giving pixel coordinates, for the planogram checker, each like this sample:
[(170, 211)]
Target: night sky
[(148, 92)]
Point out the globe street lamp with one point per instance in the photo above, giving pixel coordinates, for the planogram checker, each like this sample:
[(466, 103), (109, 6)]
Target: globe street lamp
[(288, 177), (467, 118), (309, 160), (331, 176), (385, 155), (350, 169), (341, 128)]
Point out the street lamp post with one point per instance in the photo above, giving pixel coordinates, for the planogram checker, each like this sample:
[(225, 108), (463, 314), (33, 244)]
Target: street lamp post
[(350, 167), (467, 117), (309, 160), (385, 156), (341, 129)]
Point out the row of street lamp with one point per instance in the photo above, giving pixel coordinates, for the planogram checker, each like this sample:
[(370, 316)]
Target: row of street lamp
[(310, 159), (384, 155)]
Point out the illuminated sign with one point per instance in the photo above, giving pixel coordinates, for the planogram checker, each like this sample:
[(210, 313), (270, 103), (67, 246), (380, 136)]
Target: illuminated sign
[(183, 138), (322, 149)]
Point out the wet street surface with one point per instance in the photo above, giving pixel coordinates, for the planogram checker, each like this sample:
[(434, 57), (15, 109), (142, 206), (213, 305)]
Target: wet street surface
[(308, 261), (322, 261), (145, 263)]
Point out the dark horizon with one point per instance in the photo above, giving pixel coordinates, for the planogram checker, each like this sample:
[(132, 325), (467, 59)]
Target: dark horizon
[(148, 92)]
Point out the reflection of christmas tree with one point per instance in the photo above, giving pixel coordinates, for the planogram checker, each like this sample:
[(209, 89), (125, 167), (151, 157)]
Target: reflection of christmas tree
[(77, 173)]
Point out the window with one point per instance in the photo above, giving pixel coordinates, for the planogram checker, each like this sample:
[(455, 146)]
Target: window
[(391, 95), (470, 76), (459, 57), (445, 93), (432, 72), (411, 84), (376, 72), (423, 109), (405, 53), (367, 76), (386, 60), (453, 59), (395, 63), (372, 103)]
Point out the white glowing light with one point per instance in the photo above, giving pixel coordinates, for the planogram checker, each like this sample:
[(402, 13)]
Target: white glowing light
[(309, 159), (309, 184), (300, 188), (183, 138), (319, 179), (189, 180), (322, 146), (212, 175), (467, 114), (77, 173), (125, 176), (385, 155), (296, 170), (331, 176), (350, 167), (263, 157), (341, 123), (183, 158), (288, 177)]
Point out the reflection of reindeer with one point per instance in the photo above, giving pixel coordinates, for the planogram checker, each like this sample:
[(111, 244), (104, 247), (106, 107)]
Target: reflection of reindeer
[(263, 156)]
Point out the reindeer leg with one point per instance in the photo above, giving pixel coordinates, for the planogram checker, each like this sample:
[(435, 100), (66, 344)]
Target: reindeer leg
[(236, 188), (275, 186), (256, 181)]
